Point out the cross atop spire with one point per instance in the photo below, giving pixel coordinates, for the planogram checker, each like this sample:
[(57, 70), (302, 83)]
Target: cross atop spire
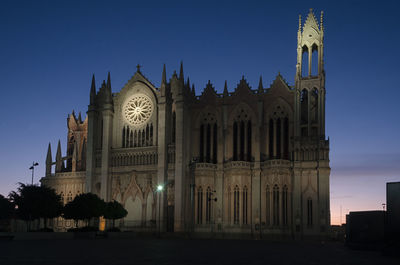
[(138, 68)]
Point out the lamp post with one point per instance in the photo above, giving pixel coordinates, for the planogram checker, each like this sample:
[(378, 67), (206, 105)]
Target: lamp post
[(34, 164), (159, 190)]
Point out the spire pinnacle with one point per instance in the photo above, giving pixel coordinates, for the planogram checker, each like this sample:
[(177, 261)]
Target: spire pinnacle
[(181, 72), (188, 83), (59, 162), (164, 76), (226, 93), (138, 68), (193, 91), (109, 81), (260, 86), (48, 157), (93, 91), (299, 23), (322, 20)]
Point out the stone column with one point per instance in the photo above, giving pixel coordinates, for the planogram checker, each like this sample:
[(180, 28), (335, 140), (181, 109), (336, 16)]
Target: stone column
[(90, 153), (106, 154), (162, 165), (179, 167)]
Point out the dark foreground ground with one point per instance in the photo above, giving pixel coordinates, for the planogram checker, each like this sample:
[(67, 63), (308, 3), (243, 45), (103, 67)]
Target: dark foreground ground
[(182, 251)]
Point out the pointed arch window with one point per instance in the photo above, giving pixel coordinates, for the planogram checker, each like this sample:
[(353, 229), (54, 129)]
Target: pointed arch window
[(276, 205), (309, 212), (249, 138), (285, 205), (208, 144), (235, 142), (314, 60), (267, 205), (236, 205), (304, 62), (215, 142), (245, 191), (271, 139), (278, 138), (199, 205), (208, 205), (242, 140), (286, 138), (201, 143)]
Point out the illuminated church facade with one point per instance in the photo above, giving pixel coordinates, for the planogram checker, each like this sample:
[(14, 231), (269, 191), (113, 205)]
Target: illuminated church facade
[(248, 161)]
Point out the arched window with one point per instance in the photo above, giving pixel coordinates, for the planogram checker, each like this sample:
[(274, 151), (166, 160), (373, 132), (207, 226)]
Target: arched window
[(245, 205), (208, 144), (199, 205), (208, 205), (249, 138), (314, 60), (236, 205), (278, 138), (147, 134), (202, 143), (314, 110), (271, 138), (304, 62), (286, 138), (276, 205), (235, 142), (284, 205), (309, 212), (173, 127), (267, 205), (215, 159), (242, 139), (123, 137), (151, 134)]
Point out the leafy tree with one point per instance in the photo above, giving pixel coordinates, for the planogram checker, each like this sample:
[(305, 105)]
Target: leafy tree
[(84, 207), (6, 208), (113, 211), (35, 202)]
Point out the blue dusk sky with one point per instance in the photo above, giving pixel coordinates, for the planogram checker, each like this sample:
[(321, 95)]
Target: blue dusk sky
[(50, 49)]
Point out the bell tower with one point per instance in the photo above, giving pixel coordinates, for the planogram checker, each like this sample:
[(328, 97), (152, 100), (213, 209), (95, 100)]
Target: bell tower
[(310, 78)]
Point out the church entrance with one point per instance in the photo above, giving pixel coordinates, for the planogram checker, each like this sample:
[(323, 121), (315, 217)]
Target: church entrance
[(170, 218)]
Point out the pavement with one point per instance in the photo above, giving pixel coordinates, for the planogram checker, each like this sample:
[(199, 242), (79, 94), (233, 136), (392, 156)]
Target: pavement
[(183, 251)]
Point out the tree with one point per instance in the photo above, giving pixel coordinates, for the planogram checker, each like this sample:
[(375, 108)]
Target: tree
[(6, 208), (113, 211), (35, 202), (84, 207)]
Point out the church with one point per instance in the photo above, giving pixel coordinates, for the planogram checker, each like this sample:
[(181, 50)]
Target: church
[(247, 161)]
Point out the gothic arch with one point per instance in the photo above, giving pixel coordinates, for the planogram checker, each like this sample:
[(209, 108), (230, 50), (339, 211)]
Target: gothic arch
[(236, 113)]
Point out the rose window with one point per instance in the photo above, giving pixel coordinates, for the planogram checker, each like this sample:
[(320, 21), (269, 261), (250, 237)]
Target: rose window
[(138, 110)]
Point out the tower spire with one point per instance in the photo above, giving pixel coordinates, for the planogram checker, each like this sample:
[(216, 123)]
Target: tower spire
[(93, 91), (109, 81), (181, 72), (48, 161), (226, 93), (164, 76), (260, 86), (59, 161)]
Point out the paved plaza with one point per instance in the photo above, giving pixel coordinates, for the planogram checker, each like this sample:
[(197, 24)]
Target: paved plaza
[(182, 251)]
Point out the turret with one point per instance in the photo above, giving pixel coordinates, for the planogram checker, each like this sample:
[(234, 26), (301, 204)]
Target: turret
[(48, 161), (59, 161)]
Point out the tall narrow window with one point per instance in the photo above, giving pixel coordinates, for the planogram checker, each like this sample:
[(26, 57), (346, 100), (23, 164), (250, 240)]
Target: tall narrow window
[(123, 137), (147, 135), (140, 138), (131, 139), (173, 127), (215, 144), (278, 138), (304, 62), (314, 60), (304, 106), (267, 206), (249, 141), (199, 205), (208, 147), (241, 141), (208, 206), (271, 139), (286, 138), (127, 144), (245, 205), (143, 138), (235, 143), (151, 134), (276, 205), (202, 143), (236, 205), (284, 205), (309, 212), (314, 105)]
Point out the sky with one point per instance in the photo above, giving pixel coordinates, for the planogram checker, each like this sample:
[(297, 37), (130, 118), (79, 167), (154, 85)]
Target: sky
[(50, 49)]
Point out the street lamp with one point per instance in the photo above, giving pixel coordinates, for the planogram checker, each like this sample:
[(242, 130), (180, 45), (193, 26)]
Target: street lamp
[(159, 190), (34, 164)]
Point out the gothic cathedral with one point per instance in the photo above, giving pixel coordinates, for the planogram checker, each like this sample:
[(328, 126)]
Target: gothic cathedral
[(248, 161)]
